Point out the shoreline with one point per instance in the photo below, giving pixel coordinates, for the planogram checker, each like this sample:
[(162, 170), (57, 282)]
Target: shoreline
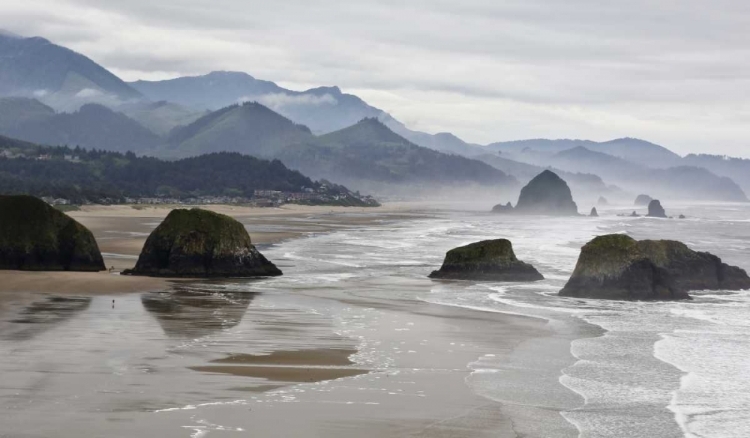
[(408, 370)]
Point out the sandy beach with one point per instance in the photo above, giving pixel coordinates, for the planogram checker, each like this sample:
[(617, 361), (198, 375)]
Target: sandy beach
[(195, 358)]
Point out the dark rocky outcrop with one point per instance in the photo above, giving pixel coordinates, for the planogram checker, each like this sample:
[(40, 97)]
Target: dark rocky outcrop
[(602, 201), (642, 200), (201, 243), (36, 237), (500, 208), (655, 209), (682, 216), (619, 267), (488, 260), (546, 194), (594, 213)]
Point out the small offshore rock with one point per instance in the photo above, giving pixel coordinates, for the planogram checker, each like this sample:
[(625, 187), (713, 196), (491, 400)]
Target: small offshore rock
[(594, 213), (488, 260)]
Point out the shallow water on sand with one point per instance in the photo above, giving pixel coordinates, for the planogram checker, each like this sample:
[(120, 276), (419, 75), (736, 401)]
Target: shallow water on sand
[(597, 369)]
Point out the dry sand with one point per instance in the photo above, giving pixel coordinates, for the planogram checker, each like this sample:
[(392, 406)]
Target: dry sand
[(121, 231)]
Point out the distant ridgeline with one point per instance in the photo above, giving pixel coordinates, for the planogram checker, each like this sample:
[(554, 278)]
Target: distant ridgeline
[(86, 176)]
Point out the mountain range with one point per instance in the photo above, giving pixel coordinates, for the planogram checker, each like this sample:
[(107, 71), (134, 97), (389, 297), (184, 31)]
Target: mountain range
[(62, 97)]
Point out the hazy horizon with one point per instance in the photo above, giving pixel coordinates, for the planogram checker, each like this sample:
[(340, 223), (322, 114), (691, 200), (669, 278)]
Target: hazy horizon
[(674, 75)]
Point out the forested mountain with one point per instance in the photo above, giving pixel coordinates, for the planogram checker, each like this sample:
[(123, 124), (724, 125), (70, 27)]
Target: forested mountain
[(160, 117), (736, 168), (94, 176), (323, 109), (249, 128), (34, 67), (683, 182), (369, 151), (631, 149), (92, 126)]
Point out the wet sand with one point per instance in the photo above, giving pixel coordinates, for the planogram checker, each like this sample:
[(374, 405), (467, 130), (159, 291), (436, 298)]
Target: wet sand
[(196, 359)]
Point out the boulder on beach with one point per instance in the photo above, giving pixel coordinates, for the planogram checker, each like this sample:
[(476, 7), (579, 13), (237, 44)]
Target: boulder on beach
[(546, 194), (500, 208), (655, 209), (618, 267), (201, 243), (35, 236), (594, 213), (488, 260), (602, 201), (642, 200)]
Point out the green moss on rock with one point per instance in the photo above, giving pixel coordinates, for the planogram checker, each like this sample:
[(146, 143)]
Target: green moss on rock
[(619, 267), (490, 260), (201, 243), (35, 236)]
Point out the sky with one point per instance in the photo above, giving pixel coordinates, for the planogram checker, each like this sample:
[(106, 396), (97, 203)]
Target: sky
[(676, 73)]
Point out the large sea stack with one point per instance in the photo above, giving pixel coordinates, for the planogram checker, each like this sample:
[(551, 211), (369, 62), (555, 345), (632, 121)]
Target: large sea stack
[(618, 267), (546, 194), (488, 260), (37, 237), (642, 200), (201, 243), (655, 209)]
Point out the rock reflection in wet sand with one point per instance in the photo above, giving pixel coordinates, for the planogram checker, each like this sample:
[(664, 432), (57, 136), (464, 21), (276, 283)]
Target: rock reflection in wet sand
[(191, 313), (43, 315)]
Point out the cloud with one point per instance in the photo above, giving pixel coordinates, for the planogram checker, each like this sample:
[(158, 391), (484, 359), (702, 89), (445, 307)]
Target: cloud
[(486, 70), (88, 93), (279, 101)]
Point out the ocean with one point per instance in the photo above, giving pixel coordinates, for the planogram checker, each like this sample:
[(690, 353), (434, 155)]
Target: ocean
[(663, 369)]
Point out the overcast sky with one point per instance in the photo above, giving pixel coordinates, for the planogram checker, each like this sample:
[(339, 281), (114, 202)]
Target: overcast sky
[(673, 72)]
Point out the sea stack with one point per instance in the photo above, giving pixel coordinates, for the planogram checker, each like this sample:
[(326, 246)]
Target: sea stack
[(602, 201), (618, 267), (500, 208), (642, 200), (546, 194), (594, 213), (655, 209), (201, 243), (488, 260), (35, 236)]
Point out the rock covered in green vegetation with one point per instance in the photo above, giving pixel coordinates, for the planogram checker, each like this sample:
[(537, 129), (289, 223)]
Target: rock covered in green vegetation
[(37, 237), (489, 260), (547, 194), (655, 209), (201, 243), (618, 267), (642, 200), (594, 213)]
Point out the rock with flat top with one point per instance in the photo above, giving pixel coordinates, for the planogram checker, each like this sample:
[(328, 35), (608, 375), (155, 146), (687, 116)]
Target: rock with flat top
[(619, 267), (655, 209), (488, 260), (201, 243)]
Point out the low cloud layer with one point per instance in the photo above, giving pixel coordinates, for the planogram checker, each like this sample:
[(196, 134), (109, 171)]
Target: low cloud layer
[(675, 73), (278, 101)]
